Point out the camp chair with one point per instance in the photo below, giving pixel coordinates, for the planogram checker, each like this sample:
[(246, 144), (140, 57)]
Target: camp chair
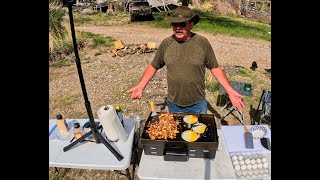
[(265, 101), (223, 100)]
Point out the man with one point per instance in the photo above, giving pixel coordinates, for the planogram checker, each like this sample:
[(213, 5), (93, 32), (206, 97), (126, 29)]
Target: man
[(186, 56)]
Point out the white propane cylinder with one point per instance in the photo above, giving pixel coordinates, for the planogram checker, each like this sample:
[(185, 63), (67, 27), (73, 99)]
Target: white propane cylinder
[(111, 124)]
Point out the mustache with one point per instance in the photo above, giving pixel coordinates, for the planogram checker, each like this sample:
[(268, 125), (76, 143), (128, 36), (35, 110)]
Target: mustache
[(178, 31)]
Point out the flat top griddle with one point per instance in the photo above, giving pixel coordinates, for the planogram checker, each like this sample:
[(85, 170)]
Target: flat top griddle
[(210, 134)]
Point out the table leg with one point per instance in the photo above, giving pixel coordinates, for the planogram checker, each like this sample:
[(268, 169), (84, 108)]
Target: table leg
[(61, 175), (56, 169)]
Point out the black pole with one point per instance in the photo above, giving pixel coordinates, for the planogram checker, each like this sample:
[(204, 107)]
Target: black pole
[(83, 87), (94, 130)]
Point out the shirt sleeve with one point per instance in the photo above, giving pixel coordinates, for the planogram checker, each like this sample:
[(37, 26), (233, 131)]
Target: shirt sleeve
[(210, 61), (158, 61)]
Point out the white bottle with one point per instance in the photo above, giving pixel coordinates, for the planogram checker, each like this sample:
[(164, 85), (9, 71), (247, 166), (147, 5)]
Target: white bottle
[(111, 124)]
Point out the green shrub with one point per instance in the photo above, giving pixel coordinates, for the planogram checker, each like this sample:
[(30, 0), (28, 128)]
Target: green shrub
[(56, 14), (59, 54), (98, 39)]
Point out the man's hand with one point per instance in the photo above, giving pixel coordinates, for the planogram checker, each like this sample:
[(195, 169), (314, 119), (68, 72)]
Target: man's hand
[(136, 92), (234, 96), (236, 100)]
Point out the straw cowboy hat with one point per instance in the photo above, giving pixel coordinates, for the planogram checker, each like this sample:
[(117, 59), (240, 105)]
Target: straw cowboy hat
[(183, 14)]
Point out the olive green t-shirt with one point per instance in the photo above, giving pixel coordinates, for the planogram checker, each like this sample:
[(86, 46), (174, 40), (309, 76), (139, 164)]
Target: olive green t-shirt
[(186, 64)]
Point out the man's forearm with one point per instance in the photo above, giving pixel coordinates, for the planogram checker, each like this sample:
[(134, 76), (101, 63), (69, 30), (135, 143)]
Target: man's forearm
[(219, 74), (147, 76)]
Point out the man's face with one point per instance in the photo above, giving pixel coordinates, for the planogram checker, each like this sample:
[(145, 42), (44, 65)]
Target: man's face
[(182, 30)]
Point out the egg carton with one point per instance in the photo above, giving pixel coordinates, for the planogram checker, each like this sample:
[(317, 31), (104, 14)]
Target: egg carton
[(251, 165)]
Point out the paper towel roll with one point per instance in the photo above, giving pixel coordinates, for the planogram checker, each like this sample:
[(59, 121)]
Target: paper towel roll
[(111, 124)]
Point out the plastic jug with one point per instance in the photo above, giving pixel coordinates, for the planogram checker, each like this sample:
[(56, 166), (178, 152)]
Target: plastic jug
[(111, 124)]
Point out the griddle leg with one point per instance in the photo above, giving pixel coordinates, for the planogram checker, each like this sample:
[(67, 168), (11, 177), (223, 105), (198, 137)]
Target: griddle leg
[(56, 169)]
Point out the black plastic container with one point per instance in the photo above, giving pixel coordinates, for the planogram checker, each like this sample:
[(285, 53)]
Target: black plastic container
[(178, 149)]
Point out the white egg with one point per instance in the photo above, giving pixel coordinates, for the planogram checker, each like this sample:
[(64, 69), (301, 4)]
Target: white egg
[(258, 160), (253, 161), (265, 165), (237, 167), (254, 166), (235, 162), (234, 158), (259, 165), (264, 159), (249, 166), (240, 158), (247, 161), (244, 167)]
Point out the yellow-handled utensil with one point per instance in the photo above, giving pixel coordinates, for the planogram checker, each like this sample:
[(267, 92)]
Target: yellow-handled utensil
[(153, 113)]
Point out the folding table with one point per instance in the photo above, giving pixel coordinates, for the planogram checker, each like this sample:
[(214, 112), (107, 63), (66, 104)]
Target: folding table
[(89, 155)]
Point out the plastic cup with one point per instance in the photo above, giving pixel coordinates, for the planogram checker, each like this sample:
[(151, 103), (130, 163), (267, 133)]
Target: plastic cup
[(247, 87)]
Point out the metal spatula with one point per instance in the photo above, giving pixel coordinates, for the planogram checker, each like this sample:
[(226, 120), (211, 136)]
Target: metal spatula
[(152, 108), (248, 138)]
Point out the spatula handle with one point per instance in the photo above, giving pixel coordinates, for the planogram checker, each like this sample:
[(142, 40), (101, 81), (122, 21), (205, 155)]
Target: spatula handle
[(245, 128), (152, 105)]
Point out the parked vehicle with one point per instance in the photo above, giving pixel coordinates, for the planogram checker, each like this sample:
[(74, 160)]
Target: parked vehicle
[(140, 9)]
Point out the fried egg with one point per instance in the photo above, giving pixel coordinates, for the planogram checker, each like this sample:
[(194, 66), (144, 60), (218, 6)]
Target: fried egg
[(190, 119), (199, 128), (190, 136)]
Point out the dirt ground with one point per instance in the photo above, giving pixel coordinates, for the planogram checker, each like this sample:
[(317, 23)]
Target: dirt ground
[(107, 79)]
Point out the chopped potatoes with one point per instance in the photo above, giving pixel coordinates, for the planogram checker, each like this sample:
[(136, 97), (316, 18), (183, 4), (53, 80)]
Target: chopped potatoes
[(165, 128)]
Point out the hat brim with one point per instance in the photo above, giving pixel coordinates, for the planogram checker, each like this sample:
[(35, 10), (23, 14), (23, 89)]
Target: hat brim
[(182, 19)]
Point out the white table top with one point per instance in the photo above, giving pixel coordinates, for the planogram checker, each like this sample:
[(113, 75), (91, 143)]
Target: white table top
[(89, 155), (154, 167), (235, 143), (234, 138)]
